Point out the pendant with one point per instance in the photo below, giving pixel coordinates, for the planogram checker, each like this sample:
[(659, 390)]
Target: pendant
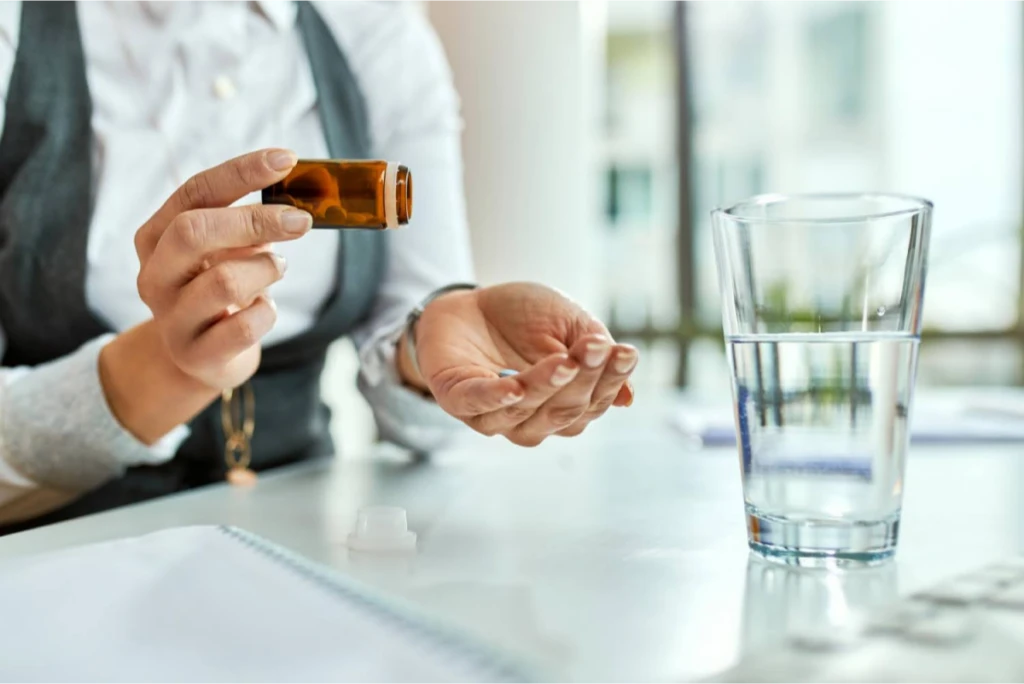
[(242, 477)]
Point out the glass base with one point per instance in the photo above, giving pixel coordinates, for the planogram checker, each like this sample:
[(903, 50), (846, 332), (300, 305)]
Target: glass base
[(822, 543)]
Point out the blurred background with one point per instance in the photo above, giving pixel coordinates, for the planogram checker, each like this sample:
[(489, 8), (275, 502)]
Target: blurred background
[(599, 136)]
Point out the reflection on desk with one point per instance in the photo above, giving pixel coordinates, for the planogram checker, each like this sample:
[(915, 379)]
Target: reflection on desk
[(810, 603)]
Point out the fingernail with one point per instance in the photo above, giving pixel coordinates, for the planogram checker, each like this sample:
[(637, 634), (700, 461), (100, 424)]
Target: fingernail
[(563, 375), (280, 262), (271, 302), (632, 394), (296, 221), (511, 398), (281, 160), (625, 361), (596, 354)]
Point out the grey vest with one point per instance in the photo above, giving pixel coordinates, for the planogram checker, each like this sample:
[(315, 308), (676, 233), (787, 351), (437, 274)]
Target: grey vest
[(45, 204)]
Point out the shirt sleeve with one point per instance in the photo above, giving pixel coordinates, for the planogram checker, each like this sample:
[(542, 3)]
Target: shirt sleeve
[(58, 438), (414, 113), (10, 28)]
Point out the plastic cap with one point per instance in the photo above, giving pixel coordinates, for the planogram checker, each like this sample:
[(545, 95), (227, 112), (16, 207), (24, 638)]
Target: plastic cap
[(382, 528)]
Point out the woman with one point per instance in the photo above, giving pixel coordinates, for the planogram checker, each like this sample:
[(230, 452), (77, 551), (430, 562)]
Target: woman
[(123, 330)]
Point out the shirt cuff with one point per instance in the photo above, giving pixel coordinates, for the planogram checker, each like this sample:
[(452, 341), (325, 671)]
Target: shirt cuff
[(404, 417), (57, 430)]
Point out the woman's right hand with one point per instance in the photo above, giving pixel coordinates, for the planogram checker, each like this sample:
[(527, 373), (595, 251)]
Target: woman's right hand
[(205, 267)]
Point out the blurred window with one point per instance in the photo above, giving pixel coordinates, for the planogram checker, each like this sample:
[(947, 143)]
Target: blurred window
[(917, 98)]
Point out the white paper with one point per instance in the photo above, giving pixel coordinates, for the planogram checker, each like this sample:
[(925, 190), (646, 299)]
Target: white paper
[(990, 416), (196, 604)]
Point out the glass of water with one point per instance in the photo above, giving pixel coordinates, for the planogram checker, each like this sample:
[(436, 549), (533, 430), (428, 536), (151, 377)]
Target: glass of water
[(821, 309)]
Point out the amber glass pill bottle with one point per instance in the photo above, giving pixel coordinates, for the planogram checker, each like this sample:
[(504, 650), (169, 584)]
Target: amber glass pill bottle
[(347, 194)]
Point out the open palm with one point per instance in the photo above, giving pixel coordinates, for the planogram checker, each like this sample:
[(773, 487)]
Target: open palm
[(569, 371)]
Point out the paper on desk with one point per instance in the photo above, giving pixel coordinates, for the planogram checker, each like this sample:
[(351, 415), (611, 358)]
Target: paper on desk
[(995, 417), (211, 604)]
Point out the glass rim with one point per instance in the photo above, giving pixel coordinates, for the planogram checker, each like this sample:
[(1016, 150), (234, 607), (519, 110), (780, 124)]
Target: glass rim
[(915, 205)]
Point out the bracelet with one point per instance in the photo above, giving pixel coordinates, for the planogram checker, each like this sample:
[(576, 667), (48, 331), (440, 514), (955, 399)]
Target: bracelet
[(414, 317)]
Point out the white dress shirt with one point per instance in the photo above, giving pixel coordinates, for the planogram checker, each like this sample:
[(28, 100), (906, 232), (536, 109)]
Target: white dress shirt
[(180, 87)]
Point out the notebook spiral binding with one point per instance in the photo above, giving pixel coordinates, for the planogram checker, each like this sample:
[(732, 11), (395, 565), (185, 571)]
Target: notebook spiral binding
[(476, 656)]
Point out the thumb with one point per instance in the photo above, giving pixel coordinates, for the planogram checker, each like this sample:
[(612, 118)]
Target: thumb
[(467, 391)]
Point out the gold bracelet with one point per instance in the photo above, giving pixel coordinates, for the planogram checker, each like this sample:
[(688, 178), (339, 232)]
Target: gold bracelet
[(237, 415)]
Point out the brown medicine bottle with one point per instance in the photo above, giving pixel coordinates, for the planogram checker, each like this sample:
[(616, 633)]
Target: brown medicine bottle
[(347, 194)]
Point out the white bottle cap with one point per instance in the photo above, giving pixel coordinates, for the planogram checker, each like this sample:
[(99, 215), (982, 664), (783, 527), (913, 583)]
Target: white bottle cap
[(382, 528), (391, 195)]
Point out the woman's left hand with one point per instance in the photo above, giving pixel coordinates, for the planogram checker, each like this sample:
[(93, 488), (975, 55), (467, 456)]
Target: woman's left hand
[(569, 370)]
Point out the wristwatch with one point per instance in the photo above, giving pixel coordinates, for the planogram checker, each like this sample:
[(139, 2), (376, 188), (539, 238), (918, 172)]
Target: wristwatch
[(414, 317)]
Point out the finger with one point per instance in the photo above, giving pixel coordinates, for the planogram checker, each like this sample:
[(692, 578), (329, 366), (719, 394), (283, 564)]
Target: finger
[(231, 336), (539, 384), (575, 429), (570, 403), (195, 237), (465, 393), (613, 381), (625, 395), (620, 365), (238, 253), (219, 186), (227, 286)]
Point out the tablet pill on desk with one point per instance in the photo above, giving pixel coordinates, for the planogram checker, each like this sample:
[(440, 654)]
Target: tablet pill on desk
[(382, 528)]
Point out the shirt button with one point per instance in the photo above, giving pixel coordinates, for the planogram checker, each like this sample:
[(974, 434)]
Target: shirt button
[(224, 88)]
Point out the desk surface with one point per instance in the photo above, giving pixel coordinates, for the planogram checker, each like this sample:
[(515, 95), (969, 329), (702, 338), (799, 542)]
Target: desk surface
[(617, 555)]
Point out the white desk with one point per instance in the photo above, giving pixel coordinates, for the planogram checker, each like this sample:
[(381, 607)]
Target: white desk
[(618, 555)]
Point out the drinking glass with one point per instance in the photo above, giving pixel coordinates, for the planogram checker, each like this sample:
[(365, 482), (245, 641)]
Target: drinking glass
[(821, 310)]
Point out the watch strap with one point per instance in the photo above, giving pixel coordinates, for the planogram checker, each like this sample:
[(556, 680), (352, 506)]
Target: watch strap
[(414, 317)]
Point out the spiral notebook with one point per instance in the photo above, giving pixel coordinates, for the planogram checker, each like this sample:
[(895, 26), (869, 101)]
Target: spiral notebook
[(215, 604)]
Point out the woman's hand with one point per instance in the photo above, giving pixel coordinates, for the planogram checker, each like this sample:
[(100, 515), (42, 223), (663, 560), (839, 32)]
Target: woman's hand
[(204, 271), (569, 369), (206, 266)]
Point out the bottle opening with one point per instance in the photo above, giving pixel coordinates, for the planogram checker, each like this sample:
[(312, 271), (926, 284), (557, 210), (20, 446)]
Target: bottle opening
[(403, 188)]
